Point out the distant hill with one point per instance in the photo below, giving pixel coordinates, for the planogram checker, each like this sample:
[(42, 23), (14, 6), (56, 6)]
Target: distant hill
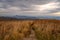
[(29, 17), (17, 17)]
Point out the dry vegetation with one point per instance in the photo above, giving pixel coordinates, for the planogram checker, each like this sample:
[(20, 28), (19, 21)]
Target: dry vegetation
[(20, 29)]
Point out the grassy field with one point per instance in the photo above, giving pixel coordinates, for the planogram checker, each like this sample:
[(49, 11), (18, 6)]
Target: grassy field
[(30, 29)]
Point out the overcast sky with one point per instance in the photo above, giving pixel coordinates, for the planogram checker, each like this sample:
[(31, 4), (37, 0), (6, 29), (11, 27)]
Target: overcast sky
[(30, 7)]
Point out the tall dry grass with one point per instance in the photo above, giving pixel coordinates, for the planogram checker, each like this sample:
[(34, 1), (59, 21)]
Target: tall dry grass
[(20, 29), (47, 29)]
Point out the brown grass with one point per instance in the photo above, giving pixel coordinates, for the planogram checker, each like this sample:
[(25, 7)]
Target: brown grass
[(20, 29)]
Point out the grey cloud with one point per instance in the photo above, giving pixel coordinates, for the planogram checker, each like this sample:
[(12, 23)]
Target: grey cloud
[(26, 2), (58, 0), (55, 11), (25, 5)]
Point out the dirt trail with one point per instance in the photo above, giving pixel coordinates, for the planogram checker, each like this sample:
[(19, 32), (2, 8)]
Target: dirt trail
[(32, 36)]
